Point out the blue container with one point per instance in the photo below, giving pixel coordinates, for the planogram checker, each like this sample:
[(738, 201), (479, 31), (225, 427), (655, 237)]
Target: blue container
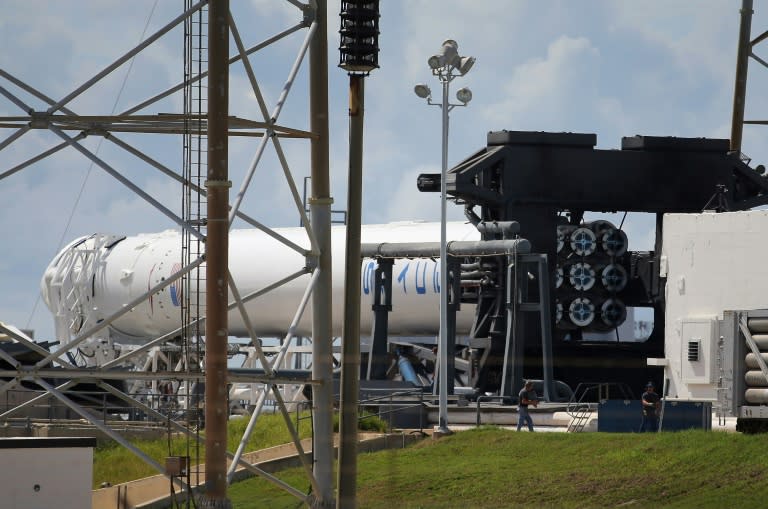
[(625, 416), (680, 415), (619, 416)]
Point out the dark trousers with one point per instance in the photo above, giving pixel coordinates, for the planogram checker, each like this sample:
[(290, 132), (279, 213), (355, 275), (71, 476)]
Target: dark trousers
[(650, 423)]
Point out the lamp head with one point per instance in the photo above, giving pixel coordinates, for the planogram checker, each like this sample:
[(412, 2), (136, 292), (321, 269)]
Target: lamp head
[(464, 95), (465, 64), (436, 61), (448, 55), (422, 91)]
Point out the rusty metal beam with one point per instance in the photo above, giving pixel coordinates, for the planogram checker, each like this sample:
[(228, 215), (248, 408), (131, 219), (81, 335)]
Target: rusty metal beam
[(217, 259)]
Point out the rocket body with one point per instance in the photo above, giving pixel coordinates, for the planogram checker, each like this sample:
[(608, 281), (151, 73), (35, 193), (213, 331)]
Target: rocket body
[(95, 277)]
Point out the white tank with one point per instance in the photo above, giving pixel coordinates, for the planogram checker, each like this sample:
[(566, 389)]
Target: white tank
[(94, 277)]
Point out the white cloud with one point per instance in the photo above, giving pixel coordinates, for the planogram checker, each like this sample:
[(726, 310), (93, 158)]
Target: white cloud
[(275, 10), (406, 202), (611, 112), (542, 91), (700, 38)]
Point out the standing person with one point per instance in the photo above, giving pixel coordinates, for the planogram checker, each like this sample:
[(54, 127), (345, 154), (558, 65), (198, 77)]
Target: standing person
[(651, 404), (527, 396)]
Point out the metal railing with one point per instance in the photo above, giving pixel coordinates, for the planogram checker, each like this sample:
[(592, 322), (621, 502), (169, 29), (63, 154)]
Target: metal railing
[(106, 407), (395, 402), (503, 399), (586, 397), (100, 403)]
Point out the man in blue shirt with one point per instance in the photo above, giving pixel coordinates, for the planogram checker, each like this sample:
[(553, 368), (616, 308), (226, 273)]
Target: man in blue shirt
[(527, 396), (651, 404)]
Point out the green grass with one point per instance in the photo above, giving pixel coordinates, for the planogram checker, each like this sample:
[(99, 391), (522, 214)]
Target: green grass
[(115, 464), (495, 468)]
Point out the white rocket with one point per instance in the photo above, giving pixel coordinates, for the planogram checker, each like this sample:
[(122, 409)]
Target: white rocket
[(95, 277)]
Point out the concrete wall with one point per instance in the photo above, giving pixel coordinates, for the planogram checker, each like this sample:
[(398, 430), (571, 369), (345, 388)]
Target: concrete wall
[(46, 473)]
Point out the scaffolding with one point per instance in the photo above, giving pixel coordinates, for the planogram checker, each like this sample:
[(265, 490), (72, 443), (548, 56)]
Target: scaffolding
[(173, 362)]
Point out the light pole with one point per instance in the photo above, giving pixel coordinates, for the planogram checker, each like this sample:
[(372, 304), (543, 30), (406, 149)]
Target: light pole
[(446, 65), (359, 55)]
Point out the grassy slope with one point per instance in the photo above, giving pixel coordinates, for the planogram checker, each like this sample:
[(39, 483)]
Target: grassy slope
[(115, 464), (494, 468)]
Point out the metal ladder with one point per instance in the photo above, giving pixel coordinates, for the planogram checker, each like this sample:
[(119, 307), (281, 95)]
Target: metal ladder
[(580, 410), (193, 206), (579, 417)]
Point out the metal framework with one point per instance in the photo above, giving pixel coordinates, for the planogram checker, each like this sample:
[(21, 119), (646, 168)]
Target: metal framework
[(746, 50), (56, 117)]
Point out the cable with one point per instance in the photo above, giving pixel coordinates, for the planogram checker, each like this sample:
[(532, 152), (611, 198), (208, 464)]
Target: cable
[(622, 220), (90, 167)]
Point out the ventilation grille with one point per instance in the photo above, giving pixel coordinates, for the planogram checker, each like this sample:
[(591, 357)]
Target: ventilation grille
[(693, 350)]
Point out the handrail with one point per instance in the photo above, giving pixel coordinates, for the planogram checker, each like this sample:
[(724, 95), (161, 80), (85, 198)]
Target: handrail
[(603, 392), (402, 407), (578, 409), (579, 418), (488, 398)]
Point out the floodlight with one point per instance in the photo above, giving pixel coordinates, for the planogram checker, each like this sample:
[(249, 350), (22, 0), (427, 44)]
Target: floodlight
[(464, 95), (422, 91), (436, 61), (465, 64), (446, 65), (450, 47), (448, 54)]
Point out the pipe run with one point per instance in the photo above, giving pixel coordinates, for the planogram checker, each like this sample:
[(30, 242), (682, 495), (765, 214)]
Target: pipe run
[(456, 248), (504, 228)]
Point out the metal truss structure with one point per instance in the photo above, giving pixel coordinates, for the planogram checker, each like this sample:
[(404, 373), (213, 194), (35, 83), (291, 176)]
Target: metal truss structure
[(71, 128), (746, 50)]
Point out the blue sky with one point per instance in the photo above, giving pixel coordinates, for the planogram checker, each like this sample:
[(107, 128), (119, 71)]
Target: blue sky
[(615, 68)]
